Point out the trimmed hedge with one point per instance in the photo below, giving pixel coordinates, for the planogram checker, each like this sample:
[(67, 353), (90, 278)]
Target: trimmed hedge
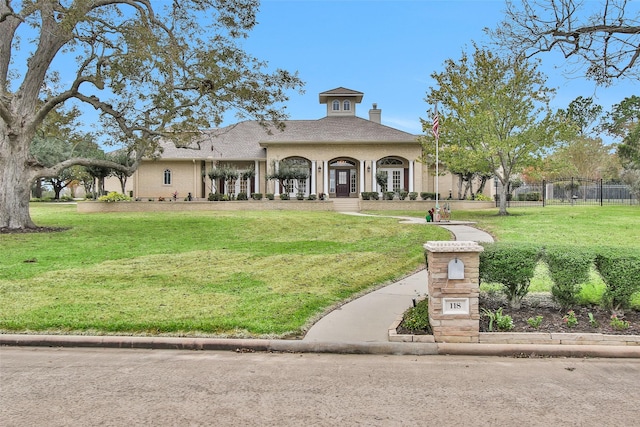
[(511, 265), (568, 267), (621, 273)]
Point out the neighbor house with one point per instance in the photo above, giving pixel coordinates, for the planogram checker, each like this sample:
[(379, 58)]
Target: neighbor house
[(339, 155)]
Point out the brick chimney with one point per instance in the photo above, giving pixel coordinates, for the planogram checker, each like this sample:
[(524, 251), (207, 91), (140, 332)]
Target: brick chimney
[(375, 114)]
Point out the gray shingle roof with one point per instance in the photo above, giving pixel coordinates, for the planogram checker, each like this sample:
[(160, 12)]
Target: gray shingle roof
[(243, 140)]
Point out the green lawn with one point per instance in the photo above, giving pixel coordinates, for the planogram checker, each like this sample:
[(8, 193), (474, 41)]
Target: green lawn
[(242, 273), (196, 273)]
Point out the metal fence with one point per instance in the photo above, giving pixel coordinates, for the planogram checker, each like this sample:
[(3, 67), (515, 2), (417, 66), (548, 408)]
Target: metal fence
[(570, 191)]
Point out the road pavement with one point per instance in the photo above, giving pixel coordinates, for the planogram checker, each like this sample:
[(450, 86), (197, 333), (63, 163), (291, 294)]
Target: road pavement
[(115, 387)]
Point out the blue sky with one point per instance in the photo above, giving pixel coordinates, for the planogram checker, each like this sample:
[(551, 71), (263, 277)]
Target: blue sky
[(388, 50)]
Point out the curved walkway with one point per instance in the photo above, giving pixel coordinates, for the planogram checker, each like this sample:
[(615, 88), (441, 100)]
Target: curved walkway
[(368, 317)]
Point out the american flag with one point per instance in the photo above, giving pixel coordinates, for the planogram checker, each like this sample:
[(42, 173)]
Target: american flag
[(436, 123)]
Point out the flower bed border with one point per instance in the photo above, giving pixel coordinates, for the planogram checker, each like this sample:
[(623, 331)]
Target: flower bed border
[(543, 338)]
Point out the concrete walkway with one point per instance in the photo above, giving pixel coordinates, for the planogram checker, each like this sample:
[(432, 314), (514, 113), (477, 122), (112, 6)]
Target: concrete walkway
[(367, 319)]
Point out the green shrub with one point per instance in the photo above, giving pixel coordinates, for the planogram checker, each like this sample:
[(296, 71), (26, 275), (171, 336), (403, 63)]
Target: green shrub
[(312, 197), (403, 194), (428, 196), (620, 271), (483, 198), (417, 317), (568, 268), (365, 195), (270, 196), (389, 195), (413, 195), (285, 196), (300, 195), (511, 265), (256, 196), (216, 197), (242, 196), (374, 195), (114, 196)]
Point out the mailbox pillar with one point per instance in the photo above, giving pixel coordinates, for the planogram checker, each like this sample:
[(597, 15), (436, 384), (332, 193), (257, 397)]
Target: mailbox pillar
[(453, 285)]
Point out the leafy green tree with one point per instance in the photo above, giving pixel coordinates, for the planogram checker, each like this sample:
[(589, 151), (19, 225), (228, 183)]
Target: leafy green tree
[(585, 155), (604, 35), (289, 172), (58, 140), (124, 158), (496, 109), (151, 70), (622, 122)]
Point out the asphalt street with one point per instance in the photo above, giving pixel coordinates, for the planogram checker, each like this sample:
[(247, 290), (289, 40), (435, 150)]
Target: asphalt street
[(121, 387)]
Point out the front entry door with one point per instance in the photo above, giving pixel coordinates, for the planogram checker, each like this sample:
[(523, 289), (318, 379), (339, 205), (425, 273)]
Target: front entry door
[(342, 186)]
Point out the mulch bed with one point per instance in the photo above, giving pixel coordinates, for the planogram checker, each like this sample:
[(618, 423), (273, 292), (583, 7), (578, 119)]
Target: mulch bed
[(553, 317)]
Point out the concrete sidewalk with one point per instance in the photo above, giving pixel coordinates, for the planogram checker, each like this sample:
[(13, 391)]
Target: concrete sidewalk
[(367, 319)]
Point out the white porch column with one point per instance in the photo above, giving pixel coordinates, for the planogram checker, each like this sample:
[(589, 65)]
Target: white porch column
[(374, 184), (314, 174), (325, 177), (196, 179), (362, 171), (256, 178), (411, 177), (276, 182)]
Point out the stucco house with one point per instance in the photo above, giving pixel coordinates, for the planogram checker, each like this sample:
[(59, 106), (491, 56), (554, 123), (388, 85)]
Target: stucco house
[(340, 153)]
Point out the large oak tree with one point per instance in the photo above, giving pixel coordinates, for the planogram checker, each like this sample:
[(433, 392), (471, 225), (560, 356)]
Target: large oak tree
[(151, 69), (496, 111)]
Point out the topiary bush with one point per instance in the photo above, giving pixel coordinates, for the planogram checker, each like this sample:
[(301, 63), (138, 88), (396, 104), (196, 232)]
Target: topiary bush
[(114, 196), (621, 272), (242, 196), (256, 196), (511, 265), (429, 196), (413, 195), (568, 268)]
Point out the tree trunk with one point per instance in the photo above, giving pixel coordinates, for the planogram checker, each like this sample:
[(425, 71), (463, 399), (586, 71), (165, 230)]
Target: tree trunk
[(15, 184), (503, 200), (37, 189)]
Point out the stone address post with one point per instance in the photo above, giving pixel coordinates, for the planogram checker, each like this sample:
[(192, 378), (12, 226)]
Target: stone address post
[(453, 285)]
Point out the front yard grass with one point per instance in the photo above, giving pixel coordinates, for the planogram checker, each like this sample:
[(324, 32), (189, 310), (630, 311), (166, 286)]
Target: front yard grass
[(241, 274)]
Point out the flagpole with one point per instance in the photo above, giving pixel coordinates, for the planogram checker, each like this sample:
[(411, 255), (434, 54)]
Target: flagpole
[(436, 124)]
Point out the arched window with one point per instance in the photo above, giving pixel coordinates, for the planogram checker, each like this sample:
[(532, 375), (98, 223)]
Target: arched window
[(346, 106), (390, 161), (336, 105), (167, 177)]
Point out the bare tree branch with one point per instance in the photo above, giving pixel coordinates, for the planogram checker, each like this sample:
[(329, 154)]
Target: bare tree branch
[(606, 38)]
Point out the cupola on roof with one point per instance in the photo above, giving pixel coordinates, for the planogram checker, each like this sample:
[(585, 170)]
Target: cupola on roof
[(341, 92)]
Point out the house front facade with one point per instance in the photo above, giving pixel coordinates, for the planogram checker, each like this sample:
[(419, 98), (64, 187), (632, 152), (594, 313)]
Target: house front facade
[(339, 155)]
